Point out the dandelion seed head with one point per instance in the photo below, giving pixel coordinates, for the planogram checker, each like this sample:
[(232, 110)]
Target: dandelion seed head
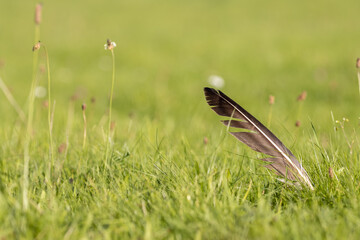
[(216, 81), (40, 92)]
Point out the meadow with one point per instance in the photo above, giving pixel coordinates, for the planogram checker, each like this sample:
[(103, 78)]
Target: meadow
[(172, 171)]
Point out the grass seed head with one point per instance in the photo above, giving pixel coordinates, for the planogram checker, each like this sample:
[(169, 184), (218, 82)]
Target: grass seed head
[(38, 10), (83, 106), (302, 96), (62, 148), (297, 123), (271, 99), (45, 103)]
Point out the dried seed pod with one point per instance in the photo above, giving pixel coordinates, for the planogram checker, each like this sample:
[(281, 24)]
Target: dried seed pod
[(36, 46)]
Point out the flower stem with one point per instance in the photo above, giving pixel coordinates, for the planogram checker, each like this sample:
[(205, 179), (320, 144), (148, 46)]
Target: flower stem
[(84, 118), (358, 75), (270, 115), (109, 138), (29, 124), (51, 163)]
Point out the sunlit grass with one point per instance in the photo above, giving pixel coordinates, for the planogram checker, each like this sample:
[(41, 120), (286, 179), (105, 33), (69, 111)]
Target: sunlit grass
[(175, 172)]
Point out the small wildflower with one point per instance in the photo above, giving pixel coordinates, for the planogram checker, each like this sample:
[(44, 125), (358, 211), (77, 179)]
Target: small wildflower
[(298, 123), (109, 45), (358, 63), (188, 197), (271, 99), (331, 173), (83, 106), (302, 96), (36, 46), (206, 140), (216, 81)]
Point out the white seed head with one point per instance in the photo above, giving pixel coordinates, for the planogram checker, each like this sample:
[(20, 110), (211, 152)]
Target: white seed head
[(40, 92), (109, 45), (216, 81)]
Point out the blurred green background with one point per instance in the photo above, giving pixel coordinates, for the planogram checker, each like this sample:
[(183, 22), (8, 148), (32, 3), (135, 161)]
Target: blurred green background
[(166, 51)]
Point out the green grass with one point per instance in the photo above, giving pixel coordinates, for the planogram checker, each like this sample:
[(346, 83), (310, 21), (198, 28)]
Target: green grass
[(162, 181)]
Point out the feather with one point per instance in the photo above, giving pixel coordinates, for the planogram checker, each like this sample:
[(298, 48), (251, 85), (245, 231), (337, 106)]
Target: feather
[(254, 134)]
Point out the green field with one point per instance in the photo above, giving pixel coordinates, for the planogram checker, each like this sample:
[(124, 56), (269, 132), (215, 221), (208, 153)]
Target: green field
[(159, 179)]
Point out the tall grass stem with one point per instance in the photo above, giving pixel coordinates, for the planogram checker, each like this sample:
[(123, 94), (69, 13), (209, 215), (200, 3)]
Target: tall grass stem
[(29, 126), (109, 138), (49, 110), (83, 107), (12, 100)]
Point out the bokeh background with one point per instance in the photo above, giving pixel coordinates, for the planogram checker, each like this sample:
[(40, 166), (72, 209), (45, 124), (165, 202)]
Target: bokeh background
[(174, 171), (166, 50)]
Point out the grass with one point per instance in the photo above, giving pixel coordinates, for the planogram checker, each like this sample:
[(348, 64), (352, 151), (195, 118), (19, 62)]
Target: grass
[(162, 181)]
